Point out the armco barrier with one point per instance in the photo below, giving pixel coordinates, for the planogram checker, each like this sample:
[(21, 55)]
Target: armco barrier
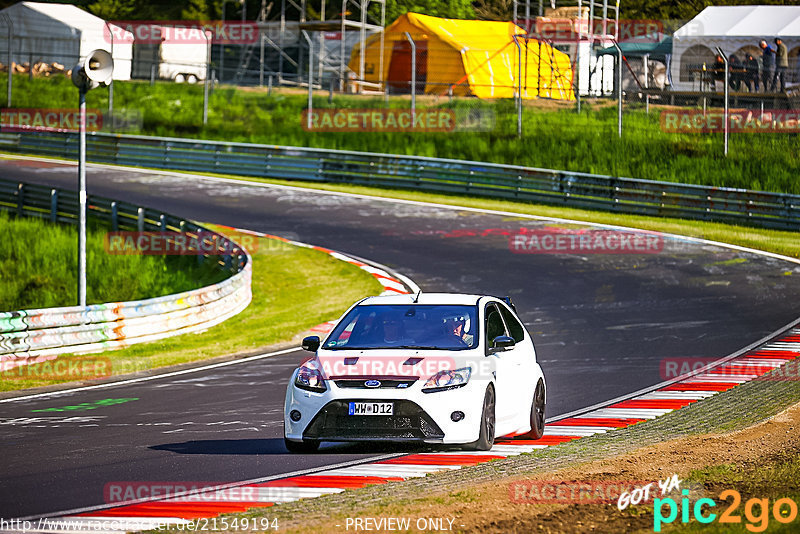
[(574, 189), (29, 336)]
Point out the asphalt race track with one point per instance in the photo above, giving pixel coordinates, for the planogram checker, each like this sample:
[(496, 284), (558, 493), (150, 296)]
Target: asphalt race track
[(604, 324)]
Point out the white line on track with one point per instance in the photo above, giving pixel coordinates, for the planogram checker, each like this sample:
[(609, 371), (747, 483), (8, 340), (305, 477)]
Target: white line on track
[(414, 470), (153, 377), (244, 181)]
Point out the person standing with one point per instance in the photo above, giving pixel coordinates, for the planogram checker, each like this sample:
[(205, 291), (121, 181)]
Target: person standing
[(718, 72), (781, 66), (736, 73), (767, 66), (751, 76)]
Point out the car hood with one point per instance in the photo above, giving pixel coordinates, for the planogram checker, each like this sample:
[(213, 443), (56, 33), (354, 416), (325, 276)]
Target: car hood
[(391, 363)]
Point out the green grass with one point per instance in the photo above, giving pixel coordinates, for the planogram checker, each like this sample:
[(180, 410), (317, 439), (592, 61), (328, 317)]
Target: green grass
[(294, 289), (39, 267), (554, 136)]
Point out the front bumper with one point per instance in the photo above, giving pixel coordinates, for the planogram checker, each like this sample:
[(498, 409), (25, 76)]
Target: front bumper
[(408, 423), (418, 416)]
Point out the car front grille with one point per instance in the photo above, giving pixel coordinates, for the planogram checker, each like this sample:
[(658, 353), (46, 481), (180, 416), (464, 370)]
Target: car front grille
[(409, 423), (385, 384)]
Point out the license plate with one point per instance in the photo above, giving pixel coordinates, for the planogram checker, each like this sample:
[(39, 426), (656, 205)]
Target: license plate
[(370, 408)]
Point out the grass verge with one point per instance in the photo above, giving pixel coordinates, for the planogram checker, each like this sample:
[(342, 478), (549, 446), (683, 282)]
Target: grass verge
[(39, 265), (294, 289), (554, 136)]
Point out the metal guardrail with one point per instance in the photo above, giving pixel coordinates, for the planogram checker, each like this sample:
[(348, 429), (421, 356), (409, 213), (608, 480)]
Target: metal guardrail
[(28, 336), (573, 189)]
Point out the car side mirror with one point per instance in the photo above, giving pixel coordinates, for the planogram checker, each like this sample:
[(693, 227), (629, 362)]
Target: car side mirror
[(311, 343), (501, 343)]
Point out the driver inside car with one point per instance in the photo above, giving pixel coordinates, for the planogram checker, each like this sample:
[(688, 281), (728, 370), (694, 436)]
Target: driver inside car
[(456, 325)]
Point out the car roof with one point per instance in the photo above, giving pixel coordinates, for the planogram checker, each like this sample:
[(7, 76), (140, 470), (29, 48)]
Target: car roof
[(424, 298)]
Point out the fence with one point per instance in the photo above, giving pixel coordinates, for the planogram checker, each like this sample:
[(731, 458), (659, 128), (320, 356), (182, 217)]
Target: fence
[(573, 189), (29, 336)]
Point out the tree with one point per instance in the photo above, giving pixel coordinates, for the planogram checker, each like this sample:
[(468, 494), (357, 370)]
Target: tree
[(196, 10), (114, 9), (497, 9), (453, 9)]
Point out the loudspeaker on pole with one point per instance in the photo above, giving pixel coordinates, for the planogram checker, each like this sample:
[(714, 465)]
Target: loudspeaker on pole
[(94, 70)]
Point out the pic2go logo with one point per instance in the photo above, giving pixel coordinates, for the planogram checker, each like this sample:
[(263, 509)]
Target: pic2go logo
[(756, 511)]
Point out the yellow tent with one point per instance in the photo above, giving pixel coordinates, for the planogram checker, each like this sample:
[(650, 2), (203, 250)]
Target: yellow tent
[(467, 57)]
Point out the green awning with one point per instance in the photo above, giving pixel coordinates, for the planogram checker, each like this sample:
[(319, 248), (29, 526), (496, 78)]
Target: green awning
[(658, 51)]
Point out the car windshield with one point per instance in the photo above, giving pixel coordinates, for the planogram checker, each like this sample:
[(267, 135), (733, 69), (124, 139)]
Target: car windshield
[(407, 326)]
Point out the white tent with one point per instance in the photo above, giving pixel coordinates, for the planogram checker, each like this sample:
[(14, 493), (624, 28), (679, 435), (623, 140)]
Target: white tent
[(736, 30), (64, 34)]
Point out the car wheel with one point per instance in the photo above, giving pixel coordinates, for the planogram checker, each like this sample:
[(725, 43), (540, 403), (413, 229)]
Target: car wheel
[(537, 412), (191, 79), (180, 78), (486, 434), (301, 446)]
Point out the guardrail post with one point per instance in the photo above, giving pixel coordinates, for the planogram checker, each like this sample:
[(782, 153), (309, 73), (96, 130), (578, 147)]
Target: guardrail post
[(140, 219), (20, 199), (54, 205), (200, 245), (117, 142), (114, 216)]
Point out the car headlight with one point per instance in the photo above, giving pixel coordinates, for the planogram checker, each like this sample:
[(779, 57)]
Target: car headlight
[(310, 378), (444, 380)]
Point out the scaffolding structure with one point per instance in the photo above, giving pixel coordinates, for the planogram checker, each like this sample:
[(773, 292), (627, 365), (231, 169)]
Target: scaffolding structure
[(282, 35), (282, 54), (582, 27)]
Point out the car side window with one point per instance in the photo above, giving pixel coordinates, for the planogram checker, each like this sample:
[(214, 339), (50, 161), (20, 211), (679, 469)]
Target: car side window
[(516, 330), (494, 324)]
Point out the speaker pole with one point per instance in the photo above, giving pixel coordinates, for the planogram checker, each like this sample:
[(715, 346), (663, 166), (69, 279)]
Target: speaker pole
[(82, 198), (96, 69)]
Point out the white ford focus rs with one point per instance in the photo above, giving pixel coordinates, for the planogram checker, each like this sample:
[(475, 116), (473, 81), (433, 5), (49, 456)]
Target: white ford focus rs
[(438, 368)]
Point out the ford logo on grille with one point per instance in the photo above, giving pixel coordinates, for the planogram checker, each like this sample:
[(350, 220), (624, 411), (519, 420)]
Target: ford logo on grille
[(373, 383)]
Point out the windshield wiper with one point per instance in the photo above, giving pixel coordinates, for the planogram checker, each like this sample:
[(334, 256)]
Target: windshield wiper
[(428, 347)]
